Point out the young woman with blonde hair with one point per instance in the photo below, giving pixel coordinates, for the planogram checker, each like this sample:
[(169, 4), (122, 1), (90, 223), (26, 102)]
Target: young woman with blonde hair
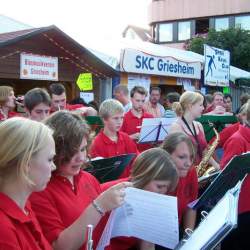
[(26, 160), (191, 107)]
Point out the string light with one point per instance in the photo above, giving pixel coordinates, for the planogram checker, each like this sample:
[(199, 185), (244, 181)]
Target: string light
[(75, 57), (11, 54)]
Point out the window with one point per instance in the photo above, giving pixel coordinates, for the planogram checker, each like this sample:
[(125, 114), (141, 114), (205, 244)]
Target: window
[(201, 26), (221, 23), (166, 32), (242, 22), (184, 30)]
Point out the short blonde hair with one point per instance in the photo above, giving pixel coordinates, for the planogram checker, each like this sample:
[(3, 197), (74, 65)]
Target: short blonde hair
[(21, 139), (153, 164), (109, 108), (190, 98), (4, 94)]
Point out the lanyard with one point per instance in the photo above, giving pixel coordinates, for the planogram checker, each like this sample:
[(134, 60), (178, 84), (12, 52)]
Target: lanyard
[(194, 134)]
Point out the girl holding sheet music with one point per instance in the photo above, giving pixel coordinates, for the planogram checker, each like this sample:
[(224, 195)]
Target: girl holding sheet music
[(72, 198), (155, 171), (182, 151)]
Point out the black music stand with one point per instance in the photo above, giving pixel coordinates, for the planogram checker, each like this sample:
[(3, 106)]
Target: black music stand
[(109, 169), (155, 129), (235, 171)]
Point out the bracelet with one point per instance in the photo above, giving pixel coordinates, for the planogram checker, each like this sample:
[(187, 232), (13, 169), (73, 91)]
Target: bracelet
[(98, 208)]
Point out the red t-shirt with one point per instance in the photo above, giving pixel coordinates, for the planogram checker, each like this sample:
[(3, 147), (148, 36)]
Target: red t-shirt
[(131, 125), (103, 146), (19, 231), (71, 107), (186, 191), (61, 203), (225, 134), (10, 114), (238, 144)]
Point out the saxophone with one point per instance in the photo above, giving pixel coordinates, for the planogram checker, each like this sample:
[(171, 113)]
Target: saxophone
[(203, 168)]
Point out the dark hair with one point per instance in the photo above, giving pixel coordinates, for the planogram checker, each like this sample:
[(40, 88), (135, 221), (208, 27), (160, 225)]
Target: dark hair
[(69, 130), (36, 96), (155, 88), (173, 97), (56, 89), (78, 100), (228, 96), (138, 89)]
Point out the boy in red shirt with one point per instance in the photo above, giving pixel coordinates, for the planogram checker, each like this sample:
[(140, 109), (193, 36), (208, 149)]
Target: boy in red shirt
[(110, 141), (133, 118)]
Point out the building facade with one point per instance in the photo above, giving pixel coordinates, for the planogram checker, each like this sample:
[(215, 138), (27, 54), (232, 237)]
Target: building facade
[(173, 22)]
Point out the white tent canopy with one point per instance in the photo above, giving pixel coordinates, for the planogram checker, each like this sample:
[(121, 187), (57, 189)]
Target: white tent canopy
[(111, 52)]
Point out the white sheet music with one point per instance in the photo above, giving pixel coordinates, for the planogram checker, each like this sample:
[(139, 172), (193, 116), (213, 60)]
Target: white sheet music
[(145, 215), (150, 127)]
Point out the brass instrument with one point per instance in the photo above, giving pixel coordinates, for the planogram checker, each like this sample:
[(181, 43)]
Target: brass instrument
[(204, 168)]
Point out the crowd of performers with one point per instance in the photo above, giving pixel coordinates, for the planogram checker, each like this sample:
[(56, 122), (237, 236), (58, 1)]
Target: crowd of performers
[(47, 199)]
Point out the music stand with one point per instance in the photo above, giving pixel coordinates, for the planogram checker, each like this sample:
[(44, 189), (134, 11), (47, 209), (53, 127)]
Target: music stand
[(155, 129), (218, 121), (109, 169), (235, 171)]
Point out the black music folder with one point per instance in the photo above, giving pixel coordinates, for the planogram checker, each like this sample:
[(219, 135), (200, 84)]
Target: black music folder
[(235, 171), (109, 169), (215, 225)]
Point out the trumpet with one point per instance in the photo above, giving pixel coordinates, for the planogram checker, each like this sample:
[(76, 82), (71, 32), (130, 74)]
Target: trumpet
[(89, 237)]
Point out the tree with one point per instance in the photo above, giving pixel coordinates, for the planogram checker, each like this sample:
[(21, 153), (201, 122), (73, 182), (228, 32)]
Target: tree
[(236, 40)]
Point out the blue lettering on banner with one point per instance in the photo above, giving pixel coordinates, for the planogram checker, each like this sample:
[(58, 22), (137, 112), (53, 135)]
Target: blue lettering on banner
[(144, 62), (174, 67)]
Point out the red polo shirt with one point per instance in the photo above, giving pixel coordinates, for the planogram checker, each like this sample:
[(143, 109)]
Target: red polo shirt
[(103, 146), (10, 114), (61, 203), (131, 125), (186, 191), (19, 231)]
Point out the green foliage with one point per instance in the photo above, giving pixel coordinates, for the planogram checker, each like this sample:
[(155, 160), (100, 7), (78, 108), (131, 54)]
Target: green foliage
[(236, 40)]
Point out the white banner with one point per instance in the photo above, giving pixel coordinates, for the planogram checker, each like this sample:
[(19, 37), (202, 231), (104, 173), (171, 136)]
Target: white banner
[(217, 66), (134, 61), (38, 67)]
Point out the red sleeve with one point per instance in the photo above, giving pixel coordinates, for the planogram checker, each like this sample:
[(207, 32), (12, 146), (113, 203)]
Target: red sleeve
[(8, 239), (47, 215), (96, 148), (195, 186), (225, 134), (107, 185), (232, 147)]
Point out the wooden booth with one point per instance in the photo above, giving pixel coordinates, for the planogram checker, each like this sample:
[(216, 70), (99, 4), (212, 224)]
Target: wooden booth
[(53, 45)]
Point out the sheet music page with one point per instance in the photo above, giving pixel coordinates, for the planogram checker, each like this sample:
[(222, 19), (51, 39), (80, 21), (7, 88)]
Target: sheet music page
[(150, 128), (145, 215), (213, 224)]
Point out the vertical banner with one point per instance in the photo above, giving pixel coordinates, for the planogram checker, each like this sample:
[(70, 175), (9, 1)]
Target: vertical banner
[(217, 66)]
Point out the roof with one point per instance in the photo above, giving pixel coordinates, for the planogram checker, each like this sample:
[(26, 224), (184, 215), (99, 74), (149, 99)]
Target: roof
[(142, 33), (57, 44)]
